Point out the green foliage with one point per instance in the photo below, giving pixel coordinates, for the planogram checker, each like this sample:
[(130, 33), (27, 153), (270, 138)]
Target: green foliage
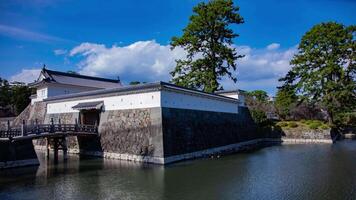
[(5, 93), (324, 68), (324, 127), (208, 40), (346, 119), (72, 72), (14, 98), (292, 125), (259, 116), (282, 124), (285, 101), (259, 95), (313, 125), (134, 83), (20, 97)]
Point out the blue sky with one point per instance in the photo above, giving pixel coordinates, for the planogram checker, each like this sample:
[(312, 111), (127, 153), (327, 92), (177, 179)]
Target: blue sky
[(130, 39)]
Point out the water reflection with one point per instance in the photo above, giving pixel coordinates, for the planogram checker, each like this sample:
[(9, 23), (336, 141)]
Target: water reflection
[(279, 172)]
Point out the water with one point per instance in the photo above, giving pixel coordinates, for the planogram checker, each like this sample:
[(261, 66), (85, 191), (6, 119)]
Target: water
[(320, 171)]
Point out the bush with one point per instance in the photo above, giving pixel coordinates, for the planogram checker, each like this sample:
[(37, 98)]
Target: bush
[(314, 125), (324, 127), (259, 116), (303, 121), (282, 124), (292, 125)]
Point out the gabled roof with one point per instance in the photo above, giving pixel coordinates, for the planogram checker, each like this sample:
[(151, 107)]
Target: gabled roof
[(51, 76)]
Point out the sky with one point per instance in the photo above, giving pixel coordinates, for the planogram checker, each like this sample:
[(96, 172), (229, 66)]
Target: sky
[(130, 39)]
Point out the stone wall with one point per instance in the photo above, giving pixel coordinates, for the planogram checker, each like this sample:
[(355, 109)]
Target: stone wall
[(306, 134), (186, 131), (132, 132), (136, 132), (31, 113)]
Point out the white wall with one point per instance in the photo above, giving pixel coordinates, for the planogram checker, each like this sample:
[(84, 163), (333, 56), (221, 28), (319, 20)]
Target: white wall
[(122, 102), (169, 99), (172, 99), (235, 95)]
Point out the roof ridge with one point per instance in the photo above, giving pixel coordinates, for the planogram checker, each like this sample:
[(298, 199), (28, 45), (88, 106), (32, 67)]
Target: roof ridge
[(79, 76)]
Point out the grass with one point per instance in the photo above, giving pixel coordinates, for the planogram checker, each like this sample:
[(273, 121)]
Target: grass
[(309, 124)]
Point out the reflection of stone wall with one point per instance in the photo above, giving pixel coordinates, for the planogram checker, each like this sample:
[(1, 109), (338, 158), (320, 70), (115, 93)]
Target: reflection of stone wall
[(187, 131)]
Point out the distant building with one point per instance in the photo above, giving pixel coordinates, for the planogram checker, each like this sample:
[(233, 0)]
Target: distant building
[(53, 83)]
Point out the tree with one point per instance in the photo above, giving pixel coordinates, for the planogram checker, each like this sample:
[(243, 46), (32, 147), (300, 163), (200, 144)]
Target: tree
[(259, 95), (72, 72), (5, 93), (258, 104), (136, 83), (286, 100), (324, 68), (14, 97), (20, 97), (208, 41)]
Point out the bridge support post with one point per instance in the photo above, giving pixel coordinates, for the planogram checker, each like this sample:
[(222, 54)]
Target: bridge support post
[(47, 147), (55, 150)]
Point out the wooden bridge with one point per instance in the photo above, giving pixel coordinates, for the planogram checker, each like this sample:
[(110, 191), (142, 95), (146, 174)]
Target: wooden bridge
[(55, 134)]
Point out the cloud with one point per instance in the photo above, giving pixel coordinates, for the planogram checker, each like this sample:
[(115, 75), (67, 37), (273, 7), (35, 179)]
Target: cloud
[(141, 61), (273, 46), (151, 61), (26, 75), (23, 34), (59, 52), (261, 69)]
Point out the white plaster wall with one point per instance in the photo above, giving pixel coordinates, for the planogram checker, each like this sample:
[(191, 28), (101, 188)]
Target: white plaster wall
[(41, 93), (172, 99), (169, 99), (240, 97), (122, 102)]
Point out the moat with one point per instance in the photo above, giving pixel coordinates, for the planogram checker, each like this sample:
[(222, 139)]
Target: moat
[(308, 171)]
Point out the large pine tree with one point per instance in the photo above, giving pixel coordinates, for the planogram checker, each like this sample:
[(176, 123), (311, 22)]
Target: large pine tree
[(324, 69), (208, 40)]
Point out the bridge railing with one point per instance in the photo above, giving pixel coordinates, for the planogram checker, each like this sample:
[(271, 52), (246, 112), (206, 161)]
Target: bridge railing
[(38, 129)]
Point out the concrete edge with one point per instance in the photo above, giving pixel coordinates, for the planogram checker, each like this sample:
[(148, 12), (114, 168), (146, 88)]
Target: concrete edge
[(306, 141)]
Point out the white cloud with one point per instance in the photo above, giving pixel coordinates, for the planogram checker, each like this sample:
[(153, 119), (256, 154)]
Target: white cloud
[(59, 52), (142, 60), (26, 75), (19, 33), (151, 61), (273, 46)]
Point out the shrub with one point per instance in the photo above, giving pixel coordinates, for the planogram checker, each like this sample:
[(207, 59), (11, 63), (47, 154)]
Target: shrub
[(307, 122), (324, 127), (259, 116), (303, 121), (282, 124), (314, 125), (292, 125)]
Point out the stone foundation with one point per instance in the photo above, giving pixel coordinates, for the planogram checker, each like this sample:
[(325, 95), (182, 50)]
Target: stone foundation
[(17, 154)]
